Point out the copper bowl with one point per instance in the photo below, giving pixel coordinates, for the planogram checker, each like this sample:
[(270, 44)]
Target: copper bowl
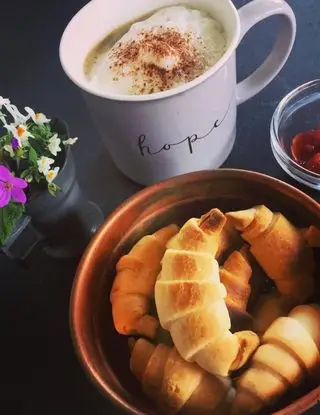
[(104, 353)]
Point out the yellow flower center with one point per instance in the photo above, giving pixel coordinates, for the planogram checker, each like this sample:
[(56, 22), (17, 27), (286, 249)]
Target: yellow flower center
[(20, 131), (51, 174), (38, 115)]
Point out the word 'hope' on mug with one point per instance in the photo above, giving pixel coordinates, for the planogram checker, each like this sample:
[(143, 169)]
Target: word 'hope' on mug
[(188, 128)]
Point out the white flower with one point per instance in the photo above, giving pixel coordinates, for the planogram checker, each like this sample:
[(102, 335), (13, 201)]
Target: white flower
[(9, 149), (52, 174), (2, 117), (44, 164), (70, 141), (16, 114), (13, 110), (41, 118), (38, 118), (54, 144), (4, 101), (21, 132)]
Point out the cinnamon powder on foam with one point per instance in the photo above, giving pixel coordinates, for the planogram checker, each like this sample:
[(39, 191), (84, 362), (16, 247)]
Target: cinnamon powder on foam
[(159, 59)]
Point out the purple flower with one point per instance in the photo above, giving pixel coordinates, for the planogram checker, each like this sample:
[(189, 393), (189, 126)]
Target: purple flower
[(11, 188), (15, 143)]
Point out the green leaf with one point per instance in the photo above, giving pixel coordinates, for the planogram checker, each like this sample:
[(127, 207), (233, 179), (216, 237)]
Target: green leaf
[(20, 153), (37, 145), (37, 176), (52, 189), (33, 156), (24, 174), (41, 132), (9, 216), (6, 138)]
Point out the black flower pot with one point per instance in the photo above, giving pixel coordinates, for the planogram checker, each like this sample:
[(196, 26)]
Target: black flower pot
[(67, 221)]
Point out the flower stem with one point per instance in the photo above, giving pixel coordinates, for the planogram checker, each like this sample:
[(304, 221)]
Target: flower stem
[(18, 164)]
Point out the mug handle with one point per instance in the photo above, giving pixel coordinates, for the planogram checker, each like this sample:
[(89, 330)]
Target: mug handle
[(251, 14)]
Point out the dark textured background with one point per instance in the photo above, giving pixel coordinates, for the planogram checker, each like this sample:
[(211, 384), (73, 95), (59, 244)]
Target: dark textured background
[(39, 373)]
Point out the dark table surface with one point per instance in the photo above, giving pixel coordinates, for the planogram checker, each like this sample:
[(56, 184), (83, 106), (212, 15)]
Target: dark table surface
[(39, 372)]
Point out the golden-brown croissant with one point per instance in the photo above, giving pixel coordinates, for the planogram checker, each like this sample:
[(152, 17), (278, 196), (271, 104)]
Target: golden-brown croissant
[(289, 352), (133, 287), (200, 235), (235, 275), (280, 249), (176, 385), (190, 299)]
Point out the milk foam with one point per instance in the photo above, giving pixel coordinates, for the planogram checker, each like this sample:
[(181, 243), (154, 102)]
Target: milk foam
[(172, 47)]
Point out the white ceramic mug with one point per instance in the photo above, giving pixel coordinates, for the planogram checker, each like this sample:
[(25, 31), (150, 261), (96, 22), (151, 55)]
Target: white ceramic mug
[(189, 128)]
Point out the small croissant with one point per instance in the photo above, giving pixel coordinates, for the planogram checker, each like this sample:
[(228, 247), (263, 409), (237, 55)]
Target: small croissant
[(280, 249), (133, 287), (176, 385), (290, 350), (190, 299), (235, 275)]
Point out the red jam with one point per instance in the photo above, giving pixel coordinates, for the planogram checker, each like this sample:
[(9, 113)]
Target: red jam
[(305, 150)]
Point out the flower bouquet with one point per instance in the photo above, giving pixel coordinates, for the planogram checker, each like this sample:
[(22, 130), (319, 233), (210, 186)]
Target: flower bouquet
[(32, 152)]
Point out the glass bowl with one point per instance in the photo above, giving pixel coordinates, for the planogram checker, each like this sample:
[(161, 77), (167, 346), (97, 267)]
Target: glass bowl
[(298, 112)]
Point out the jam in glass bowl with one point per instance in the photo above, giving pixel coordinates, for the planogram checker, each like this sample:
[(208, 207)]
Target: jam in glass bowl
[(295, 134)]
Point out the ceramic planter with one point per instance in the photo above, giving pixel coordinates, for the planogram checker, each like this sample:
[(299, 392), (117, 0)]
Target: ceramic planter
[(68, 220), (63, 223)]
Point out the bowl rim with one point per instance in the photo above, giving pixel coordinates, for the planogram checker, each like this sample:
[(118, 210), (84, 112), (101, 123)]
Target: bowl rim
[(287, 163), (77, 292)]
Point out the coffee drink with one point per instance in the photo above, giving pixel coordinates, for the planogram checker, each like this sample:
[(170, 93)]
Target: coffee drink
[(159, 52)]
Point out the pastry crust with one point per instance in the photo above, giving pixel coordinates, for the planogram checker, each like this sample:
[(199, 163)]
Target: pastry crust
[(290, 351), (190, 298), (280, 249), (195, 299), (235, 275), (133, 287), (176, 385)]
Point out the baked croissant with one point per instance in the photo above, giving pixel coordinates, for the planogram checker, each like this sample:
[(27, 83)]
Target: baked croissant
[(290, 350), (176, 385), (190, 299), (133, 287), (200, 235), (280, 249), (235, 275)]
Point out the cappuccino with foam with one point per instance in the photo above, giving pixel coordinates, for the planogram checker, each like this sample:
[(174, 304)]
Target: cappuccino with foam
[(171, 47)]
